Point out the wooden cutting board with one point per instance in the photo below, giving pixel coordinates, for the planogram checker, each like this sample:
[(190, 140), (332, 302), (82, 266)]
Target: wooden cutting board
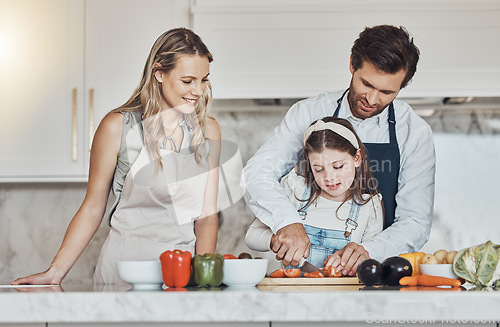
[(311, 288), (269, 281)]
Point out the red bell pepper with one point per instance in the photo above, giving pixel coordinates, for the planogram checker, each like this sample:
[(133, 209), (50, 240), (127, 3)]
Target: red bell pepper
[(176, 268)]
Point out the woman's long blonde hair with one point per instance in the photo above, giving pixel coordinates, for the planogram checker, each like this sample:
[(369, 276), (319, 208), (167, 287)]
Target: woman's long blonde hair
[(147, 96)]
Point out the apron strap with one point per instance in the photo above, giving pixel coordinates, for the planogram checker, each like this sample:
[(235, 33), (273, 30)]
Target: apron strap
[(339, 102), (351, 222), (307, 194), (170, 138), (391, 119)]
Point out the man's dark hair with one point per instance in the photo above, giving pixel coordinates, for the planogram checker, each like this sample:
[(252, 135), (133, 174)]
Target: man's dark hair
[(388, 48)]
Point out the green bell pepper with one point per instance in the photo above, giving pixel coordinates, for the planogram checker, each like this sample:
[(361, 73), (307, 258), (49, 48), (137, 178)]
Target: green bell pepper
[(207, 269)]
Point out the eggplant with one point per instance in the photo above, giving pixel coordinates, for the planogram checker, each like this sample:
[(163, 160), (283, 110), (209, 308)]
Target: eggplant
[(395, 268), (370, 272)]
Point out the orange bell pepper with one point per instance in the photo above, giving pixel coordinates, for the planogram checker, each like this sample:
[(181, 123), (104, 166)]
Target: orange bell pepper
[(415, 258), (176, 268)]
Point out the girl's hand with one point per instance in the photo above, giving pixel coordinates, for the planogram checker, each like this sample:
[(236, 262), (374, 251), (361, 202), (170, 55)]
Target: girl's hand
[(333, 260), (351, 256)]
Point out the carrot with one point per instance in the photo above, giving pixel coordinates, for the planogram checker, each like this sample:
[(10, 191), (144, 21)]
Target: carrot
[(428, 288), (428, 280), (409, 280)]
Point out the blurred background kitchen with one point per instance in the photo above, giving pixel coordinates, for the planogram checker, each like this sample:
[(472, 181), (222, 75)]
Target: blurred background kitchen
[(65, 63)]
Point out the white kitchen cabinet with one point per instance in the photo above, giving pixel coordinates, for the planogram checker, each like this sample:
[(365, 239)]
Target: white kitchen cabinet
[(41, 83), (119, 36), (64, 64), (300, 48)]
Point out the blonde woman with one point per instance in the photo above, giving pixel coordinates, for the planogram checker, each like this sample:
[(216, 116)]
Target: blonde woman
[(158, 154)]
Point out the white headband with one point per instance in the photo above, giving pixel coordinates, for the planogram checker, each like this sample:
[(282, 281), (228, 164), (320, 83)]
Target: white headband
[(334, 127)]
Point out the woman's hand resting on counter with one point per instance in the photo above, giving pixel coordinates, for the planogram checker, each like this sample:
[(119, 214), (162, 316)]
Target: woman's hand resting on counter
[(48, 277)]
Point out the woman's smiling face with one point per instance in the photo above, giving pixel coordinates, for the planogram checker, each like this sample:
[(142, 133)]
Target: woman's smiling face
[(184, 85), (334, 172)]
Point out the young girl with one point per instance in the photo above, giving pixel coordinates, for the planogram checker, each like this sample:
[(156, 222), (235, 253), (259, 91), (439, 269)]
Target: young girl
[(334, 192), (153, 154)]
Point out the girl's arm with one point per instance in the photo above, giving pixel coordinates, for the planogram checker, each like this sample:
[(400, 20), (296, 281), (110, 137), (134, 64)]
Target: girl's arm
[(207, 226), (103, 158), (259, 236)]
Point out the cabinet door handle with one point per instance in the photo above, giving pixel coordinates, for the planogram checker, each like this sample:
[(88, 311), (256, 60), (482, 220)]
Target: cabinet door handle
[(74, 147), (91, 117)]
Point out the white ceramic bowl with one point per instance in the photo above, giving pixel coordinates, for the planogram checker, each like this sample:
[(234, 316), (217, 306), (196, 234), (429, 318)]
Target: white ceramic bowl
[(443, 270), (244, 272), (141, 274)]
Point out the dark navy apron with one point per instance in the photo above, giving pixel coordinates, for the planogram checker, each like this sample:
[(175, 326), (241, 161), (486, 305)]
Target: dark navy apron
[(384, 159)]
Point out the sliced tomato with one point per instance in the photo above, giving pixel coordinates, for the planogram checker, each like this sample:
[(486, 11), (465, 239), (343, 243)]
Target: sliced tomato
[(314, 274), (279, 273), (292, 273), (330, 271), (229, 256)]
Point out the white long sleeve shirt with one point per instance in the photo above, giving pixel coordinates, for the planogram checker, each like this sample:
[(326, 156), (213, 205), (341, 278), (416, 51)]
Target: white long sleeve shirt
[(415, 197)]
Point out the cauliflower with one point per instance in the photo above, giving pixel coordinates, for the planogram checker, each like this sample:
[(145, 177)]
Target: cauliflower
[(479, 265)]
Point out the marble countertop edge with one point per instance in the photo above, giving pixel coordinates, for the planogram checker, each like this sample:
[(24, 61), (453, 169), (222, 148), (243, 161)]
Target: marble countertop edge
[(252, 305)]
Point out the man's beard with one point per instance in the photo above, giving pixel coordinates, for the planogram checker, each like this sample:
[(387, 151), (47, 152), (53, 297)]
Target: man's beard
[(354, 103)]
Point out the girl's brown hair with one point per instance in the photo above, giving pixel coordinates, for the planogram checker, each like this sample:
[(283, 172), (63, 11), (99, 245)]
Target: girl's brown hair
[(318, 141), (147, 96)]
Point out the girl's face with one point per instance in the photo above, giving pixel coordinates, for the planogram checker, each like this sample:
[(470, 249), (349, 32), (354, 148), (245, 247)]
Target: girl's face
[(334, 172), (184, 85)]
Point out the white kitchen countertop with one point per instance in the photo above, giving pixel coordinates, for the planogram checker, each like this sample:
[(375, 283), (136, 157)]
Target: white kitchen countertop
[(94, 303)]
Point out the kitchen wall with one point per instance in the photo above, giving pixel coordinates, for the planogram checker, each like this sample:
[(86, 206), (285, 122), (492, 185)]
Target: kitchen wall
[(34, 217)]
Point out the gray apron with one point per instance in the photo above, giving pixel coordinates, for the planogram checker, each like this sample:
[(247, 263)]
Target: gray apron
[(156, 211)]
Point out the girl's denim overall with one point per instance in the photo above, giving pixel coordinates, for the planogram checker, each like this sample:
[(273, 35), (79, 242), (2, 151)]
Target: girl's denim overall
[(325, 242)]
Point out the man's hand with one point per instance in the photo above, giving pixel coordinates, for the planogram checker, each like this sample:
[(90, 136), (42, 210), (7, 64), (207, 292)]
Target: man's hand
[(290, 244), (349, 258)]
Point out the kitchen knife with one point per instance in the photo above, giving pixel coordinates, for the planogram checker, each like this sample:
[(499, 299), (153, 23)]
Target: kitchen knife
[(307, 267)]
